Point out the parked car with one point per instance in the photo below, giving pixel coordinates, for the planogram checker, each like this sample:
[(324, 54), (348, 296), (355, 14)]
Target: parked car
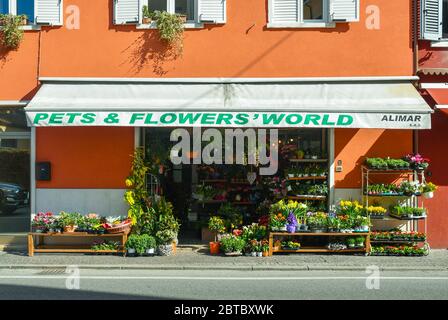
[(12, 197)]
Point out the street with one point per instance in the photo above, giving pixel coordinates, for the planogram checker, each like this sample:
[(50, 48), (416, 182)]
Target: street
[(220, 284)]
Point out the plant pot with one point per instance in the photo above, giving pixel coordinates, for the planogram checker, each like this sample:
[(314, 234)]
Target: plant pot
[(214, 247), (150, 251), (69, 229), (318, 230), (131, 251), (283, 229), (146, 20), (233, 254), (259, 254), (291, 228), (428, 195), (165, 249), (253, 254), (182, 18), (265, 253)]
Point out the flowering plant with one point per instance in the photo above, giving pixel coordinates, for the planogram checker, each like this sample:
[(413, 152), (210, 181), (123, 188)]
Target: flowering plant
[(317, 220), (375, 211), (277, 221), (417, 161), (43, 220), (349, 208)]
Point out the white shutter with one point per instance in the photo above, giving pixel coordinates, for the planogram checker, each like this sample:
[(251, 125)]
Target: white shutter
[(431, 19), (344, 10), (126, 11), (213, 11), (49, 12), (283, 11)]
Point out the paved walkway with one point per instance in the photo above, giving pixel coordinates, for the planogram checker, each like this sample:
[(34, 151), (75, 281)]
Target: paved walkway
[(197, 258)]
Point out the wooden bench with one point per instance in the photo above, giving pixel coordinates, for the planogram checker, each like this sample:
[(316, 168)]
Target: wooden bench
[(317, 249), (62, 248)]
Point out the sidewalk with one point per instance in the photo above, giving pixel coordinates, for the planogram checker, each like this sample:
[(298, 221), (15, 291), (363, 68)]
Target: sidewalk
[(197, 258)]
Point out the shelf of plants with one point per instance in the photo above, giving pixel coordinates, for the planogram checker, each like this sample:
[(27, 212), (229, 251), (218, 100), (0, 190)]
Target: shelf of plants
[(293, 227), (409, 186)]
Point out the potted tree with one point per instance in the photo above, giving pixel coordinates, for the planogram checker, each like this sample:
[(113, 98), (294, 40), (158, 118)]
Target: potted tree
[(216, 225)]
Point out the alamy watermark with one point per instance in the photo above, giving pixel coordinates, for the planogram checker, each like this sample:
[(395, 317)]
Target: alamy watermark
[(227, 146)]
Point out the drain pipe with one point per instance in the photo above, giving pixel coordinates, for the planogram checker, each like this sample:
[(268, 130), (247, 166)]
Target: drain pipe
[(415, 36)]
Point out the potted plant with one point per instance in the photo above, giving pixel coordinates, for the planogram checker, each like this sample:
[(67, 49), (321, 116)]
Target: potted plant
[(351, 242), (360, 242), (232, 245), (146, 15), (216, 225), (42, 222), (70, 221), (165, 240), (12, 33), (417, 162), (132, 243), (428, 190), (318, 222), (149, 243), (171, 29), (334, 224), (265, 247)]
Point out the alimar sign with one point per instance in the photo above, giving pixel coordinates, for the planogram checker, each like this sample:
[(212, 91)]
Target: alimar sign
[(230, 119)]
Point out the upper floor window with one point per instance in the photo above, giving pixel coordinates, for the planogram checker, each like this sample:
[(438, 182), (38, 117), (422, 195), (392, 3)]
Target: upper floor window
[(434, 20), (18, 7), (182, 7), (37, 11), (311, 13), (201, 11)]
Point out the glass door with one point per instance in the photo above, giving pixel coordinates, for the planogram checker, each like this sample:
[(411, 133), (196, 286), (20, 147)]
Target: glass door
[(15, 145)]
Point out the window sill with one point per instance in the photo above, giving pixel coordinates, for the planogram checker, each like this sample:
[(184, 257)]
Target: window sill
[(188, 25), (439, 44), (30, 27), (274, 25)]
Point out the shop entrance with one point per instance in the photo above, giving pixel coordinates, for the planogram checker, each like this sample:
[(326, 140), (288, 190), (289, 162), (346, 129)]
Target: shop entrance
[(15, 137), (237, 191)]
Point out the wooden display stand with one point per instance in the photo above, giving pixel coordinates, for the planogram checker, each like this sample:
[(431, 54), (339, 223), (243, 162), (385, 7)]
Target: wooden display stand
[(42, 247), (317, 249)]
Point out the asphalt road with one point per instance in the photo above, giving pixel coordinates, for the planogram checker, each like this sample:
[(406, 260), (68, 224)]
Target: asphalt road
[(233, 285)]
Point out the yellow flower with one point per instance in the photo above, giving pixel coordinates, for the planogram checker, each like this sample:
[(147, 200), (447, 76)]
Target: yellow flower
[(129, 183)]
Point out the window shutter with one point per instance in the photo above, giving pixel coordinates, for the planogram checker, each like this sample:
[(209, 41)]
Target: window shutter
[(49, 12), (126, 11), (431, 19), (283, 11), (344, 10), (213, 11)]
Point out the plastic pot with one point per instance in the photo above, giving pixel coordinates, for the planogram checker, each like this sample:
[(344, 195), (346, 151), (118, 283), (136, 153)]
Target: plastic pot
[(214, 247)]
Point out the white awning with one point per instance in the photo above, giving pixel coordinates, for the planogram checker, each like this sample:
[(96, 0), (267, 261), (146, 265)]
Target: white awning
[(347, 104)]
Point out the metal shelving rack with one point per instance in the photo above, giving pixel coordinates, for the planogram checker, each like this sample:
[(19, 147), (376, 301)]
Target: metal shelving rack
[(412, 223)]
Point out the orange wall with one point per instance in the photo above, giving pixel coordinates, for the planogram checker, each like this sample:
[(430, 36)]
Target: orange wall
[(86, 157), (352, 146), (243, 47)]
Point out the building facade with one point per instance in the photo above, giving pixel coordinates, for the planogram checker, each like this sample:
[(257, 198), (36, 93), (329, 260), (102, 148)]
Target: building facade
[(328, 57)]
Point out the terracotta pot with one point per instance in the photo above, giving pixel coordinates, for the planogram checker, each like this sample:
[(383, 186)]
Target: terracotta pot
[(265, 253), (69, 229), (214, 247), (183, 18), (146, 20)]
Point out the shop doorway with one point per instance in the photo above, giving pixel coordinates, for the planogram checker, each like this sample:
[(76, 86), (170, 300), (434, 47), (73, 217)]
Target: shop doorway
[(15, 145), (198, 190)]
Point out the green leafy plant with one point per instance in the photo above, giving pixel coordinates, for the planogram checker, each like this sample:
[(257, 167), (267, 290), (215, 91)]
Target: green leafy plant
[(171, 29), (232, 216), (70, 219), (137, 195), (12, 34), (146, 13), (232, 244), (165, 237)]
